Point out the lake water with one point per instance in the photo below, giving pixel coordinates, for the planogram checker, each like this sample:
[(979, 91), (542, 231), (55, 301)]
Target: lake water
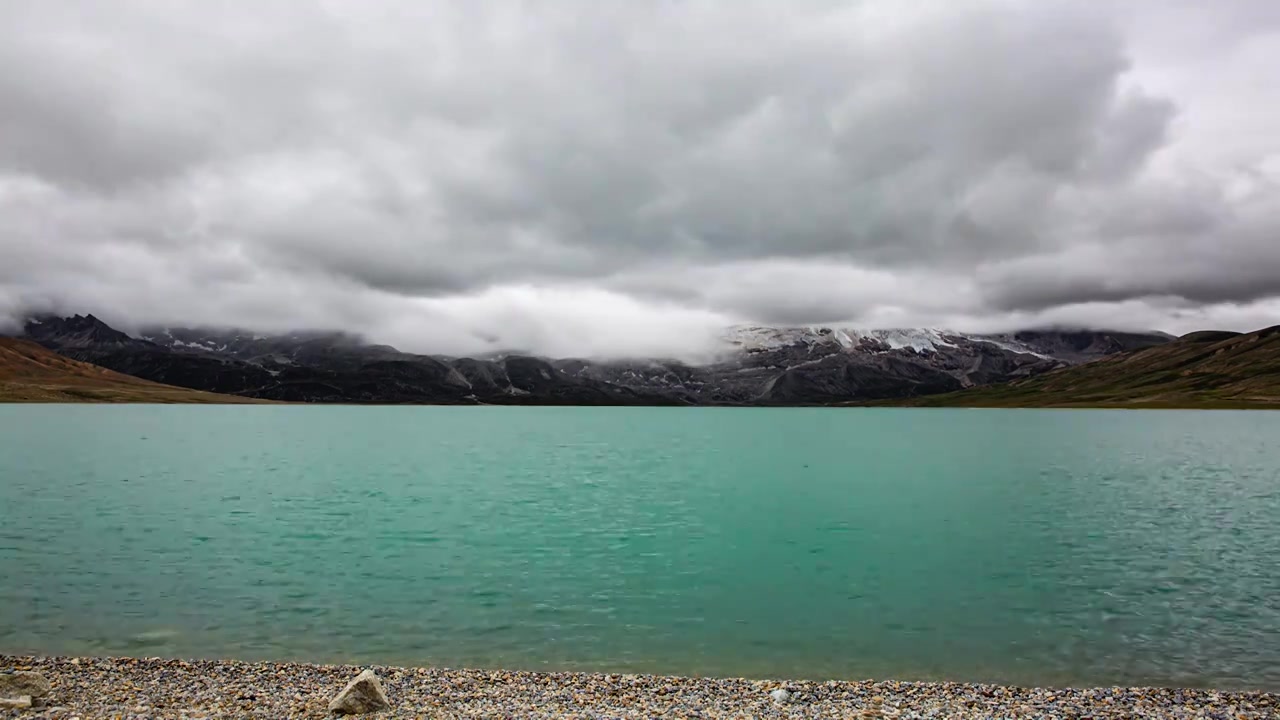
[(1034, 547)]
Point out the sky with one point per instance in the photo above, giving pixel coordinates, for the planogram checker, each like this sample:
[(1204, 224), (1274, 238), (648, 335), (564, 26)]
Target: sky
[(629, 177)]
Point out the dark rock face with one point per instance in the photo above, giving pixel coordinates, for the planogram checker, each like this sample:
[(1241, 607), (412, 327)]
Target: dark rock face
[(297, 348), (761, 366), (486, 377), (223, 375), (1075, 346), (836, 378), (535, 381)]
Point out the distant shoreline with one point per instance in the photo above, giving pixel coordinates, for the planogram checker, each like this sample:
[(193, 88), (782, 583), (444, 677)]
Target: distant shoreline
[(154, 687), (920, 403), (924, 403)]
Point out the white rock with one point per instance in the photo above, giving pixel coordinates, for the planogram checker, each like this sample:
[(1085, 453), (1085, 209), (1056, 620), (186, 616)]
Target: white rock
[(781, 695), (22, 702), (362, 695)]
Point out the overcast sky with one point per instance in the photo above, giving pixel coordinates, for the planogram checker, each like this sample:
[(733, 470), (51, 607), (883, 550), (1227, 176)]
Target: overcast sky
[(629, 176)]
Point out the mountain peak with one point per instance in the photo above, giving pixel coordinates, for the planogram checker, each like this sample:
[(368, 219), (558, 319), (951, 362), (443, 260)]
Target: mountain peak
[(76, 331)]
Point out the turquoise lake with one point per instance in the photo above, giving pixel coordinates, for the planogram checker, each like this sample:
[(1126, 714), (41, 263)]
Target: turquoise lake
[(1018, 546)]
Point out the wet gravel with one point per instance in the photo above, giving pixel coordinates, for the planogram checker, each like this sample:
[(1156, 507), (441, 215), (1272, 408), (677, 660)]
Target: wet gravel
[(92, 688)]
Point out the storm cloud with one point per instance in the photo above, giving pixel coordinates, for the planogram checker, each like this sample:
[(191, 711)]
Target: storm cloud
[(622, 177)]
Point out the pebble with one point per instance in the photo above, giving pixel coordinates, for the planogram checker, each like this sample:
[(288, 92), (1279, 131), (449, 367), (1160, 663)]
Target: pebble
[(133, 689)]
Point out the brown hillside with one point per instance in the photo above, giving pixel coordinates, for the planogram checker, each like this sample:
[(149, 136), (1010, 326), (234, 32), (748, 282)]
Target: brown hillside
[(1199, 370), (31, 373)]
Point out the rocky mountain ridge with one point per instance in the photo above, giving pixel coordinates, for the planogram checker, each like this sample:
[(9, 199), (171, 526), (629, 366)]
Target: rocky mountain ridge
[(759, 365)]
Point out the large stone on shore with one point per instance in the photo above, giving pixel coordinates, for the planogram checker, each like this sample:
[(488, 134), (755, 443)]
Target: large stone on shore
[(362, 695), (16, 683), (15, 703)]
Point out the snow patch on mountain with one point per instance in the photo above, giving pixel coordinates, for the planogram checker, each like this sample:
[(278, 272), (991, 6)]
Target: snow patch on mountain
[(755, 337), (1011, 346), (918, 339)]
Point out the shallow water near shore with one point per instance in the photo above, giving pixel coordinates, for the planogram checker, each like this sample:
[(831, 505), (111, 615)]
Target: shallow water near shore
[(1016, 546)]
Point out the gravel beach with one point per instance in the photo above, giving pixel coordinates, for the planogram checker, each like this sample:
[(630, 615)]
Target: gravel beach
[(90, 688)]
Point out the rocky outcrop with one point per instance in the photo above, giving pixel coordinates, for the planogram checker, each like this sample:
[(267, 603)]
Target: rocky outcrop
[(364, 694)]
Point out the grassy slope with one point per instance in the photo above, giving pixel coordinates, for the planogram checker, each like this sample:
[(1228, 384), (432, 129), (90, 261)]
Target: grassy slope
[(31, 373), (1200, 370)]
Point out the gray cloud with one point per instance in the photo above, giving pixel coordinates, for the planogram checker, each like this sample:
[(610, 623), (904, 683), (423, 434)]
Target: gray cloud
[(621, 177)]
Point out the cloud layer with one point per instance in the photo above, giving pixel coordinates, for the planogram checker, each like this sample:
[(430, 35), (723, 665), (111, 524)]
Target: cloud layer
[(616, 177)]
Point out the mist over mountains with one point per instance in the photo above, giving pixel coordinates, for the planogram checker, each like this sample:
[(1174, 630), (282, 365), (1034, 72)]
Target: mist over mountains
[(754, 365)]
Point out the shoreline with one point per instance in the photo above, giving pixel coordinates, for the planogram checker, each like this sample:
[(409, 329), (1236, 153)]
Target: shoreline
[(90, 688), (899, 404)]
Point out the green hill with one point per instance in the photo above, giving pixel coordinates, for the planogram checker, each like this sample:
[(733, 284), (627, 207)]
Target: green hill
[(1207, 369)]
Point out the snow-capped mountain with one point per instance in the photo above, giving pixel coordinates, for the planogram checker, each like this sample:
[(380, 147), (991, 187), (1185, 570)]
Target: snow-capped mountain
[(814, 364), (756, 338)]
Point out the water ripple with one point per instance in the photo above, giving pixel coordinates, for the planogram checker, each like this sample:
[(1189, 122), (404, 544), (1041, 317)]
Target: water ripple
[(1018, 546)]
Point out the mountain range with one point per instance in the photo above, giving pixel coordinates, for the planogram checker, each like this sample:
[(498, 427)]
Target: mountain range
[(758, 366)]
